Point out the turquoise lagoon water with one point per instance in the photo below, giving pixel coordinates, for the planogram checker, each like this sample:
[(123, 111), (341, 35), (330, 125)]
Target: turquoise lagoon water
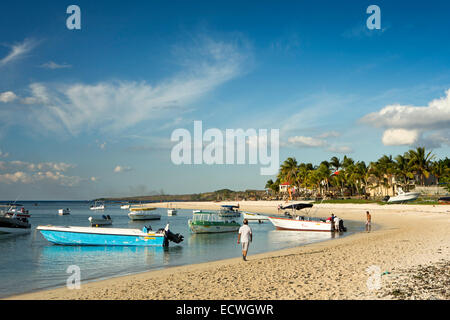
[(29, 262)]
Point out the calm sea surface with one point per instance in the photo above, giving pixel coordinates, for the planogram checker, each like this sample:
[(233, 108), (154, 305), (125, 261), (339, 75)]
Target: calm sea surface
[(29, 262)]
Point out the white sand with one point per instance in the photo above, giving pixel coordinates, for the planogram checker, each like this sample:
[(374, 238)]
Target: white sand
[(406, 236)]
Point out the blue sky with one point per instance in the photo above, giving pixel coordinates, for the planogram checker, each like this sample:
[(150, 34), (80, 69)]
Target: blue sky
[(89, 113)]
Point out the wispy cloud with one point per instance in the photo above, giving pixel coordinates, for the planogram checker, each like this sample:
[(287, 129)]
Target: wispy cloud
[(114, 106), (18, 51), (120, 169), (53, 65)]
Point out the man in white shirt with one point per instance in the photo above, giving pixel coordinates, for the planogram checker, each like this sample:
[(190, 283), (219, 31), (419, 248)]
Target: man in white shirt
[(245, 237)]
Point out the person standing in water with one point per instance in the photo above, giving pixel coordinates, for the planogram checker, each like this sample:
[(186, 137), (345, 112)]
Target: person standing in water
[(245, 237), (368, 221)]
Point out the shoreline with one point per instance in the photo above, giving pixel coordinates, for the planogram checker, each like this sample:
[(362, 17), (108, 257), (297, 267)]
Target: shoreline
[(271, 275)]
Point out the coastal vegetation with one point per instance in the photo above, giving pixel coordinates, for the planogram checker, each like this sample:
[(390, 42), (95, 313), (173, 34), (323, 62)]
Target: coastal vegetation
[(349, 178)]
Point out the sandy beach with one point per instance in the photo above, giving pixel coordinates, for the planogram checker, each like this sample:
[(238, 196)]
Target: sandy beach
[(406, 240)]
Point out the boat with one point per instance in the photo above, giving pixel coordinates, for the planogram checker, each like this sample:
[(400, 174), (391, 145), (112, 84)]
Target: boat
[(211, 222), (403, 196), (86, 236), (103, 221), (125, 206), (63, 212), (229, 211), (14, 225), (143, 213), (300, 223), (254, 217), (96, 206), (16, 209), (171, 212), (444, 200)]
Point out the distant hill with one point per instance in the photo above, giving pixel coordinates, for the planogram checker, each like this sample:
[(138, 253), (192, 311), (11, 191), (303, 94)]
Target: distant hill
[(219, 195)]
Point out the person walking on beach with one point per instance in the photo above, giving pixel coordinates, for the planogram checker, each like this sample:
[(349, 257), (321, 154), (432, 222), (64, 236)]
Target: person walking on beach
[(368, 221), (245, 237)]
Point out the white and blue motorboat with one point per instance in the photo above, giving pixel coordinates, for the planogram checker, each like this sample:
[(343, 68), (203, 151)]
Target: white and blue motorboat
[(87, 236)]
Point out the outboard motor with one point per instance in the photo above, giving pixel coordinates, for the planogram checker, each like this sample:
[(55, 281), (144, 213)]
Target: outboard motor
[(341, 226), (170, 236)]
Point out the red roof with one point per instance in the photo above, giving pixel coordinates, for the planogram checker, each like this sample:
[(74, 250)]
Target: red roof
[(285, 184)]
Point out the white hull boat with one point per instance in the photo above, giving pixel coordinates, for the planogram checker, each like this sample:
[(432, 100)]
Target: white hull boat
[(254, 217), (299, 224), (143, 214), (171, 212), (125, 206), (63, 212), (404, 197)]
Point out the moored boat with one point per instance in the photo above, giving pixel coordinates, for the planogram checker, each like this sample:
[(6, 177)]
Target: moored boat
[(300, 223), (63, 212), (108, 236), (444, 200), (143, 213), (254, 217), (98, 206), (211, 222), (11, 225), (171, 212), (402, 196), (229, 211), (103, 221)]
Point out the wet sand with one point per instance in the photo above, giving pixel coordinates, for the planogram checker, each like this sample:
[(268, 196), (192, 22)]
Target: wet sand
[(406, 238)]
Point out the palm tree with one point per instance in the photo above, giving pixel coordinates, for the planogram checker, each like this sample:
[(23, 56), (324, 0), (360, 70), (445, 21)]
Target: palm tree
[(420, 161), (335, 163), (289, 170), (403, 170)]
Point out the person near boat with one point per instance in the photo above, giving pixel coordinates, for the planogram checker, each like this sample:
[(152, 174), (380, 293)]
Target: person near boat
[(368, 221), (245, 237)]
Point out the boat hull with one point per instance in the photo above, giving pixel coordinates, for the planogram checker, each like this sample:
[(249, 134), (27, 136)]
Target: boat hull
[(213, 227), (144, 216), (299, 225), (171, 212), (404, 197), (253, 217), (100, 236)]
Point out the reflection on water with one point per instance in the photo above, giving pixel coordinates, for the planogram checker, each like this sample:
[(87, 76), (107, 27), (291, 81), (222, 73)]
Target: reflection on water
[(30, 262)]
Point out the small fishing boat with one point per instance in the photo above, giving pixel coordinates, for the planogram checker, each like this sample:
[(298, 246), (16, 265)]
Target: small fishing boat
[(14, 225), (125, 206), (16, 209), (403, 197), (229, 211), (171, 212), (63, 212), (143, 213), (211, 222), (300, 223), (98, 206), (254, 217), (103, 221), (87, 236)]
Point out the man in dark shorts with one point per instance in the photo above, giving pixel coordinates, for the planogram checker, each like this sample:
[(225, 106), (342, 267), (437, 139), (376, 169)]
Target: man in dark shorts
[(368, 221)]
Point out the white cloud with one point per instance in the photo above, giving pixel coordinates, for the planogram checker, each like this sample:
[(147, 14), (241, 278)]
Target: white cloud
[(18, 51), (53, 65), (398, 137), (120, 169), (408, 125), (302, 141), (7, 96), (28, 172), (340, 149)]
